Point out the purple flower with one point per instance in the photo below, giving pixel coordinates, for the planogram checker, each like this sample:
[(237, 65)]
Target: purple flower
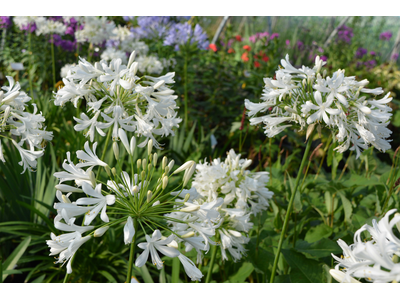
[(150, 27), (324, 58), (361, 52), (320, 50), (385, 36), (373, 53), (55, 18), (345, 34), (370, 64), (287, 42), (258, 36), (127, 18), (32, 27), (181, 33), (274, 35), (300, 45), (395, 56), (70, 30), (5, 22)]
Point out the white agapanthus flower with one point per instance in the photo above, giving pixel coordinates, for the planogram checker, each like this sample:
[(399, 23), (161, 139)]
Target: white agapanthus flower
[(96, 30), (150, 64), (66, 69), (139, 200), (16, 122), (117, 97), (24, 21), (48, 26), (112, 53), (222, 198), (306, 97), (374, 260)]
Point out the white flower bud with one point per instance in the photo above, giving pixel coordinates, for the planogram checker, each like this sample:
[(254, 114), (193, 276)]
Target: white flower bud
[(135, 190), (164, 163), (6, 113), (310, 130), (99, 232), (131, 59), (289, 109), (144, 164), (92, 178), (108, 170), (171, 164), (133, 145), (139, 163), (187, 196), (235, 233), (341, 276), (156, 203), (1, 95), (149, 195), (10, 97), (124, 140), (184, 167), (188, 174), (129, 231), (149, 147), (188, 235), (155, 157), (191, 208), (158, 84), (67, 189), (164, 182), (116, 150), (304, 82)]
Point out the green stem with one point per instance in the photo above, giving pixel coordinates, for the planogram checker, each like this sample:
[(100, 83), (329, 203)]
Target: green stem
[(30, 64), (53, 62), (213, 255), (185, 89), (132, 252), (289, 209), (176, 265), (104, 150)]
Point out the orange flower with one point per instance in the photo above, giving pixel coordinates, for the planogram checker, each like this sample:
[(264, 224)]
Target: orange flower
[(238, 38), (230, 50), (213, 47), (257, 64), (245, 56), (247, 47)]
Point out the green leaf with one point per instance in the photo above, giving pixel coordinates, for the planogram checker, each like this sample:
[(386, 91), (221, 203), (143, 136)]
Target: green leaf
[(12, 260), (322, 248), (107, 275), (240, 276), (146, 275), (303, 269), (348, 208), (39, 279), (317, 233)]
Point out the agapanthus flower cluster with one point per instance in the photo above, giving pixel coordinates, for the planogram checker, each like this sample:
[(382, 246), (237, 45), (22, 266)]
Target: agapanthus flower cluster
[(233, 191), (96, 30), (182, 33), (136, 197), (307, 97), (16, 122), (116, 97), (385, 36), (49, 26), (121, 44), (26, 22), (374, 259), (345, 34), (153, 27)]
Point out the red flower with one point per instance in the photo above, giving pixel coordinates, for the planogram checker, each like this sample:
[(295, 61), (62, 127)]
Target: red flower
[(238, 38), (213, 47), (230, 50), (247, 47), (257, 64), (245, 56), (265, 58)]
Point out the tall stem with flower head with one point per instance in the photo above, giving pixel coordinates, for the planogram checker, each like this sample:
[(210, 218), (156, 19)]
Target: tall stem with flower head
[(289, 209), (30, 62), (185, 100), (53, 62), (211, 265), (132, 252)]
